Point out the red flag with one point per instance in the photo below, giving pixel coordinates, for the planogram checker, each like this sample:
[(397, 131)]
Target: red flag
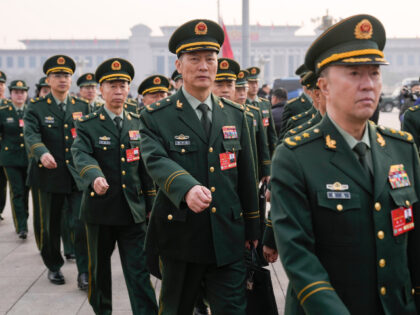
[(226, 48)]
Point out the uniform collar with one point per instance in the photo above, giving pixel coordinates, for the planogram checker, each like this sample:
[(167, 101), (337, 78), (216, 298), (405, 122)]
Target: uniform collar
[(351, 141), (195, 102), (112, 115)]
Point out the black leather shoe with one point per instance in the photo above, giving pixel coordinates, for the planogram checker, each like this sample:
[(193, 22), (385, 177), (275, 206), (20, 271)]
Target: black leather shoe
[(56, 277), (70, 256), (83, 281), (23, 235)]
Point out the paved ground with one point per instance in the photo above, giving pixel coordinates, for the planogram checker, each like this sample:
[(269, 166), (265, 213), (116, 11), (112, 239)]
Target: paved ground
[(24, 288)]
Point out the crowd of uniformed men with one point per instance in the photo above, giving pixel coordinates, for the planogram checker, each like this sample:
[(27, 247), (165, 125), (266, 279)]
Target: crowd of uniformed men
[(174, 180)]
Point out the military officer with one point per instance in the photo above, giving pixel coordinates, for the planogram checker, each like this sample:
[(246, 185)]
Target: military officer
[(264, 105), (118, 193), (224, 84), (3, 179), (88, 90), (319, 102), (13, 155), (345, 192), (196, 147), (411, 123), (49, 133), (297, 105), (177, 78), (42, 87), (153, 89)]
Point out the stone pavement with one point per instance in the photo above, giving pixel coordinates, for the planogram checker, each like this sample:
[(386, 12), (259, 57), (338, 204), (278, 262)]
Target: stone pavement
[(25, 289)]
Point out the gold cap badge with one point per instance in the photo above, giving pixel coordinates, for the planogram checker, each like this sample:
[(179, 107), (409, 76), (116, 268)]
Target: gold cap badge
[(224, 65), (157, 81), (116, 65), (19, 84), (61, 60), (240, 75), (363, 29), (200, 28), (89, 77), (253, 71)]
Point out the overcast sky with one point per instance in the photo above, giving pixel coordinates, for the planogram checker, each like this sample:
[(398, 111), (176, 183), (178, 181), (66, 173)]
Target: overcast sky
[(44, 19)]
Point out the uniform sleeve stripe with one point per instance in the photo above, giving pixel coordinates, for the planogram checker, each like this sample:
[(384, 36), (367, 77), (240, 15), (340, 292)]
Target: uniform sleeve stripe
[(169, 177), (313, 292), (179, 174), (36, 145), (87, 168), (252, 217), (267, 162), (311, 285), (252, 213)]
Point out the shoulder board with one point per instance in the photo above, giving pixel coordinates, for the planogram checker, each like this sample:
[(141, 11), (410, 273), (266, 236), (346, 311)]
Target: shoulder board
[(264, 99), (291, 100), (302, 138), (249, 113), (233, 104), (414, 108), (162, 104), (38, 99), (80, 99), (4, 107), (391, 132), (254, 107), (301, 115), (130, 103), (99, 104), (299, 128), (88, 117), (5, 102), (134, 115)]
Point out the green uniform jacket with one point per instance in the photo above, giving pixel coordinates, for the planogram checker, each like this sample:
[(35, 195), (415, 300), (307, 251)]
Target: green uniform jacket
[(99, 151), (268, 122), (48, 129), (297, 121), (262, 152), (12, 152), (336, 244), (411, 123), (268, 238), (178, 156), (294, 107), (131, 106)]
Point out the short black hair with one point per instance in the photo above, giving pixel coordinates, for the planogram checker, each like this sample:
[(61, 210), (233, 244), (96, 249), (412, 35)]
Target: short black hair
[(280, 93)]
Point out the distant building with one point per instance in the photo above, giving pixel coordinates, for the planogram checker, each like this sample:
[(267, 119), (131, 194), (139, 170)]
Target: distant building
[(276, 49)]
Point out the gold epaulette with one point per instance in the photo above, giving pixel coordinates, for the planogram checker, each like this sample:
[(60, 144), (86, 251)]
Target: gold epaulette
[(291, 100), (233, 104), (88, 117), (414, 108), (4, 107), (302, 138), (79, 99), (391, 132), (254, 107), (248, 112), (134, 115), (301, 115), (38, 99), (163, 103)]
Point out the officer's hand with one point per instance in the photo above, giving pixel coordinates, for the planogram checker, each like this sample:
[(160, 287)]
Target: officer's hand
[(48, 161), (100, 185), (198, 198), (248, 244), (270, 254), (268, 195)]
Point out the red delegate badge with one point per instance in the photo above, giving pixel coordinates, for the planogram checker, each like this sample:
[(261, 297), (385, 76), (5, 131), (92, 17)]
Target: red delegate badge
[(73, 132), (132, 154), (402, 220), (227, 160), (266, 122), (21, 123)]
